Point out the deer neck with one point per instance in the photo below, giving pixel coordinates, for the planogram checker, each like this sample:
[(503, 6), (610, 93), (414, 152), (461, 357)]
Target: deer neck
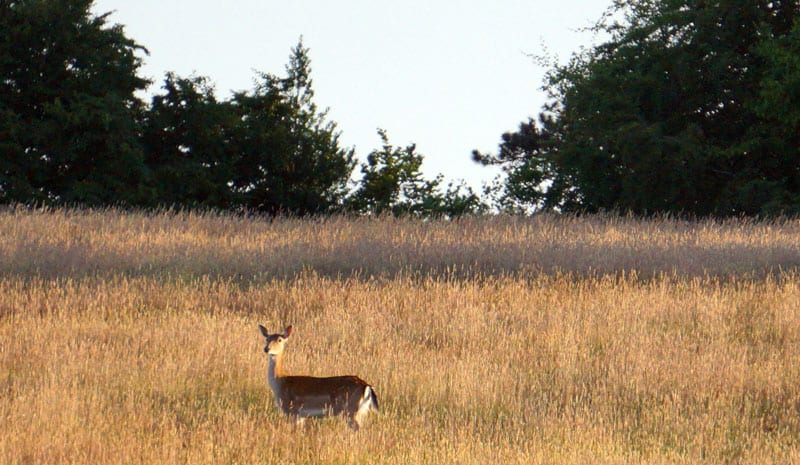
[(275, 373)]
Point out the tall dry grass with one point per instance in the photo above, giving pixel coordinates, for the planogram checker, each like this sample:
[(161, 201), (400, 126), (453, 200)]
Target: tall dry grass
[(138, 342), (88, 243)]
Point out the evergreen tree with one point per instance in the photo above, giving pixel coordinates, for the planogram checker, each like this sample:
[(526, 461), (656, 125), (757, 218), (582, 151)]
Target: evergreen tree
[(186, 135), (67, 106), (288, 157)]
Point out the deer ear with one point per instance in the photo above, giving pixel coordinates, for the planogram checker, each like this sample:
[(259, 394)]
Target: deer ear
[(288, 331), (263, 331)]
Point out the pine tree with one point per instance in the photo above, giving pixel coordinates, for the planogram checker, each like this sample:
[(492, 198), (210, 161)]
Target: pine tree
[(288, 156)]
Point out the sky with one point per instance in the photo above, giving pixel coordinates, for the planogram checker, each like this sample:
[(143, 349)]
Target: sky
[(448, 76)]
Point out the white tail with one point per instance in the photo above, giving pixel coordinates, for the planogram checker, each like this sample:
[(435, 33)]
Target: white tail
[(307, 396)]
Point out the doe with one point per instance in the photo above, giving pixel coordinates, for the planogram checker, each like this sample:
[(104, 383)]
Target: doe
[(307, 396)]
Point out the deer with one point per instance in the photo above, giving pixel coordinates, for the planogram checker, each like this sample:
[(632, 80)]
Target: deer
[(301, 397)]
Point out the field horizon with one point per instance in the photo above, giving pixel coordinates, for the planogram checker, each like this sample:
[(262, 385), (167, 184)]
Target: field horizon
[(132, 338)]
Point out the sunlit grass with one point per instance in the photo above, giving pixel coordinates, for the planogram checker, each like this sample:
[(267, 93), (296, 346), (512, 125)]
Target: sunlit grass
[(90, 243), (138, 343)]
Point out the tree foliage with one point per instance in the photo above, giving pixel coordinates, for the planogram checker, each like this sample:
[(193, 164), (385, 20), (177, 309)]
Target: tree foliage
[(393, 183), (73, 131), (288, 157), (67, 106), (186, 136), (268, 149), (672, 113)]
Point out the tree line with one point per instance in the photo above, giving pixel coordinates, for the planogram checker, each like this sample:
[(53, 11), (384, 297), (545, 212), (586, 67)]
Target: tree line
[(684, 107), (72, 131)]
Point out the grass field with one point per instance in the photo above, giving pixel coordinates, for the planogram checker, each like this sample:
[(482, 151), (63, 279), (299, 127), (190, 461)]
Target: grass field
[(132, 338)]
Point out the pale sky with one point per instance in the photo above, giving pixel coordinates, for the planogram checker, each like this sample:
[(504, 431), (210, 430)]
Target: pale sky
[(448, 76)]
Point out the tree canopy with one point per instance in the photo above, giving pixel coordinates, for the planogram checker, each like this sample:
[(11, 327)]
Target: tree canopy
[(688, 107), (185, 135), (73, 131), (685, 107), (393, 183), (67, 106), (268, 149), (288, 156)]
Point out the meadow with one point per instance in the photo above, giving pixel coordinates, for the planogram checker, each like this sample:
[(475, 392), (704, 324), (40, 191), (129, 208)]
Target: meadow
[(131, 338)]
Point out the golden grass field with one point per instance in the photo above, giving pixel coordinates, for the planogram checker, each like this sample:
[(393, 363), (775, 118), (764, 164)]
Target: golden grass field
[(131, 338)]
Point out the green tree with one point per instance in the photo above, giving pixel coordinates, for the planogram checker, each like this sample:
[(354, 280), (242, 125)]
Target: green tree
[(777, 138), (387, 173), (664, 115), (288, 157), (393, 183), (186, 137), (67, 106)]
